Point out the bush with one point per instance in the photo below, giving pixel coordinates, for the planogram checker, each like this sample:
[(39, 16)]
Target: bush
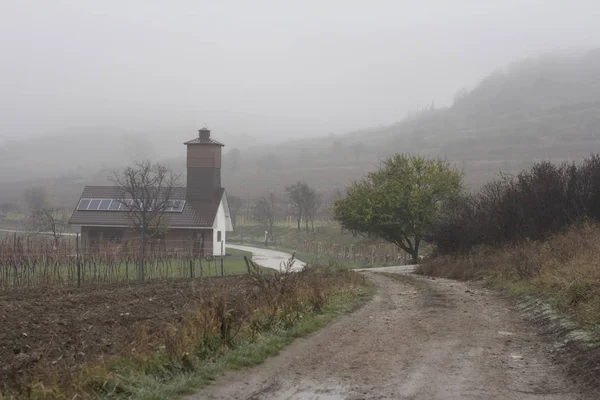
[(534, 205)]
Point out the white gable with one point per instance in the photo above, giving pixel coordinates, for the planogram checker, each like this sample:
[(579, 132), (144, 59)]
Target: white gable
[(221, 225)]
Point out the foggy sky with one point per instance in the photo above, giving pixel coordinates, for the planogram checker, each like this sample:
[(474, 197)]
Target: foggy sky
[(263, 68)]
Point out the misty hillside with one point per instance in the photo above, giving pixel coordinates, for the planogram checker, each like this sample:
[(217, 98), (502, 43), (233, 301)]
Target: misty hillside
[(541, 108)]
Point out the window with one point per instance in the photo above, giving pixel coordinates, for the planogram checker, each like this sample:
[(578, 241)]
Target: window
[(218, 236), (112, 235)]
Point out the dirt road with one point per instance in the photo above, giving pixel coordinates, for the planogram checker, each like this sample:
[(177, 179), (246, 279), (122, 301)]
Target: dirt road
[(438, 340)]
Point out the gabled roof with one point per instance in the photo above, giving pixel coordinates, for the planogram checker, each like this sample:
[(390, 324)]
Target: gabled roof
[(204, 141), (195, 214)]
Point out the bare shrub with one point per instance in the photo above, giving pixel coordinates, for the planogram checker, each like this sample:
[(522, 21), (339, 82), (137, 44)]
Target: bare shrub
[(533, 205)]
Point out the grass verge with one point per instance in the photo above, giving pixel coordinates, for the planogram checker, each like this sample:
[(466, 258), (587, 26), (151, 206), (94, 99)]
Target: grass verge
[(555, 282), (247, 352), (563, 270)]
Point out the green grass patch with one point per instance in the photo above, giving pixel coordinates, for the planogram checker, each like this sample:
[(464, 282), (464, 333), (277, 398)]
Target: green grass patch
[(288, 233), (316, 259)]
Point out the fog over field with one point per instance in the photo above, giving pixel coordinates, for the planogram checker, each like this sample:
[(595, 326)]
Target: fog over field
[(91, 86)]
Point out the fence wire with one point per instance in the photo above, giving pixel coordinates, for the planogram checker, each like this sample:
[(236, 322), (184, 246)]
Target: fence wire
[(36, 260)]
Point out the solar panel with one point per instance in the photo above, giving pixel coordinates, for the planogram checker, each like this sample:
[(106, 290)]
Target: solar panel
[(83, 204), (126, 205), (104, 204), (94, 203), (123, 205), (179, 206), (175, 206)]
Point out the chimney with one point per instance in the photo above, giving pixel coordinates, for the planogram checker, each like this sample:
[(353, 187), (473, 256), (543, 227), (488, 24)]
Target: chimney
[(203, 167), (204, 135)]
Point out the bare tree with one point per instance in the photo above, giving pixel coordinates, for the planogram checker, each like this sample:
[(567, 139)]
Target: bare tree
[(49, 221), (36, 199), (235, 206), (264, 212), (306, 202), (296, 194), (146, 190), (313, 202), (44, 218)]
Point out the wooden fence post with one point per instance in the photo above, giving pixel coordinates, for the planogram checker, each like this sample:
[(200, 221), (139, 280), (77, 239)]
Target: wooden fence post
[(78, 262), (247, 264), (14, 260), (222, 257)]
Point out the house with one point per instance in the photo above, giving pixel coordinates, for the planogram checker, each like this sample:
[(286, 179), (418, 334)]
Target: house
[(197, 221)]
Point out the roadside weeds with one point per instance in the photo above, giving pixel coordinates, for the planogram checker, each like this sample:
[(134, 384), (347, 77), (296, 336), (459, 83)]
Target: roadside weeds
[(230, 329)]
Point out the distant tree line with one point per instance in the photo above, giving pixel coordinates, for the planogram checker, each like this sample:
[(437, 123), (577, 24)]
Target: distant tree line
[(300, 200)]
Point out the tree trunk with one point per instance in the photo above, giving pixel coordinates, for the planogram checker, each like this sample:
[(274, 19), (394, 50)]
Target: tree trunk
[(142, 254), (415, 256), (299, 219), (415, 253)]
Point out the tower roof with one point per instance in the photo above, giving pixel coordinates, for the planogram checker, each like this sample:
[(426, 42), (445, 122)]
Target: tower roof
[(204, 138)]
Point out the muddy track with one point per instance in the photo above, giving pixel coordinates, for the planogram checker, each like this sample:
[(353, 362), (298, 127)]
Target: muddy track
[(440, 339)]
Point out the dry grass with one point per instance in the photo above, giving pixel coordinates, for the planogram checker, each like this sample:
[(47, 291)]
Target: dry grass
[(565, 269), (228, 316)]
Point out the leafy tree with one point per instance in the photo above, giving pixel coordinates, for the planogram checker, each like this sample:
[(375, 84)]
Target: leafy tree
[(401, 201)]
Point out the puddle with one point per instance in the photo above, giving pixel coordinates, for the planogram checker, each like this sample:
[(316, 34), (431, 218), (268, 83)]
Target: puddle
[(307, 395), (503, 333), (311, 394)]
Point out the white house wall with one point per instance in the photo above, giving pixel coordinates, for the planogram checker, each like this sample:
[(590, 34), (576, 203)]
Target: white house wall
[(228, 223), (220, 225)]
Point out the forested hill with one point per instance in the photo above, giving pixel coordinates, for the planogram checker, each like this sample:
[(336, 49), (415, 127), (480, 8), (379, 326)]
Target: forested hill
[(540, 108)]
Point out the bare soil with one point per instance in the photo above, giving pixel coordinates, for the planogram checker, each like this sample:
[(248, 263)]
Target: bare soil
[(439, 340), (48, 334)]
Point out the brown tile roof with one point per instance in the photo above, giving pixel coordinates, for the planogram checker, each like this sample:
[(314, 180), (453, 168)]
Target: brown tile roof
[(204, 141), (194, 214)]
